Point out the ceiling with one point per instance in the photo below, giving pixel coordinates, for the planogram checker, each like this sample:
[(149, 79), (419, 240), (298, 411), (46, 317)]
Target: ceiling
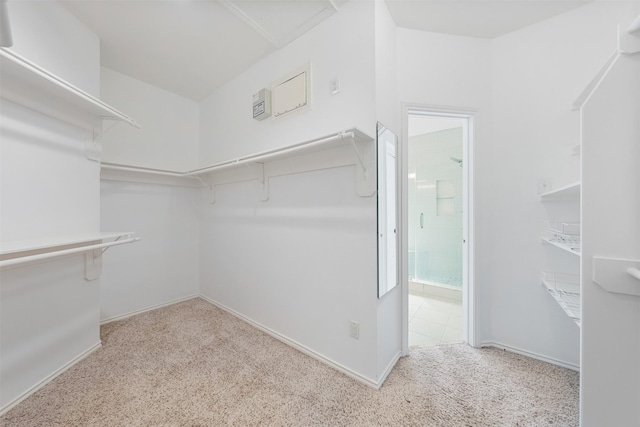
[(192, 47)]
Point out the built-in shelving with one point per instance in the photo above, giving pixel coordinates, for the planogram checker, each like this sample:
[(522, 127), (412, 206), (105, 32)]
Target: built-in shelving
[(30, 85), (25, 251), (567, 192), (565, 290), (253, 165)]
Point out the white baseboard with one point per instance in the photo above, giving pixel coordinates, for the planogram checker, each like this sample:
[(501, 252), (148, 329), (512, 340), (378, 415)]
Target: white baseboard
[(46, 380), (144, 310), (300, 347), (388, 369), (531, 355)]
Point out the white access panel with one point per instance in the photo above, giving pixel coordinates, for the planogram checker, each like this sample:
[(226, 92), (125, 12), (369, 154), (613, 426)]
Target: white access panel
[(291, 93)]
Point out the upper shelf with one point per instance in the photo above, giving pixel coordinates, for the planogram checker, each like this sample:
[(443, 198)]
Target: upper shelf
[(32, 86), (568, 192)]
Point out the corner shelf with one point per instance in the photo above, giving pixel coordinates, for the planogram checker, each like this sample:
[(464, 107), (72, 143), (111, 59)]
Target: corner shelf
[(567, 193), (565, 290), (30, 85)]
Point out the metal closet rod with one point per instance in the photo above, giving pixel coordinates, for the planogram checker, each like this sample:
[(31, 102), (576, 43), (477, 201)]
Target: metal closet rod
[(254, 158), (53, 254)]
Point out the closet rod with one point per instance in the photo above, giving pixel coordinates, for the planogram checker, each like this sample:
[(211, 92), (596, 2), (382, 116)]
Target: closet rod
[(264, 156), (114, 166), (53, 254)]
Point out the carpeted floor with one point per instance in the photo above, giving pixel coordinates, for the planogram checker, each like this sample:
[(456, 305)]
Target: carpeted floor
[(192, 364)]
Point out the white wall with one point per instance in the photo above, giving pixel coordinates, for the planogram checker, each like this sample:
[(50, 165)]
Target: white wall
[(342, 46), (303, 263), (385, 69), (161, 267), (47, 34), (610, 376), (538, 72), (49, 313), (451, 71), (169, 135), (389, 320)]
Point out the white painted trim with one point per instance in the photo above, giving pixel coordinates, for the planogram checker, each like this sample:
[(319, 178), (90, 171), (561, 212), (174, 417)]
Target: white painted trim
[(388, 369), (49, 378), (530, 354), (300, 347), (144, 310)]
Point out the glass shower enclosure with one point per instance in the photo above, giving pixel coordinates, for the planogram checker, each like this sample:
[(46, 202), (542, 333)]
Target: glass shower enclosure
[(435, 201)]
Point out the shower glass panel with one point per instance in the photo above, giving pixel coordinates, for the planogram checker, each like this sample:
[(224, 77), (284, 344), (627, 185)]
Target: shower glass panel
[(435, 202)]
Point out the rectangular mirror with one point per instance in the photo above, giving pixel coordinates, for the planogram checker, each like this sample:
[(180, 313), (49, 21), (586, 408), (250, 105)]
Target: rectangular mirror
[(387, 149)]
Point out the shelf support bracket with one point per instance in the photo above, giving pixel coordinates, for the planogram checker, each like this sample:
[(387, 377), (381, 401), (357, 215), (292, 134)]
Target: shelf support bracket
[(93, 264), (365, 167), (263, 183)]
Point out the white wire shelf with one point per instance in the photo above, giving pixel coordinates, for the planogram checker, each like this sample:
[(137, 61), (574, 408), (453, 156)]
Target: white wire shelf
[(565, 290), (34, 87), (569, 245)]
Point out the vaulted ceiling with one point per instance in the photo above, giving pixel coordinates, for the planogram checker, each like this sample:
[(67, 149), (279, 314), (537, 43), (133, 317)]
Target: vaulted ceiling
[(192, 47)]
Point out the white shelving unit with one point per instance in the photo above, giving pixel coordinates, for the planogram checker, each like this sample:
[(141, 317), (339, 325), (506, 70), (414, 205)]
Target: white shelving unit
[(564, 288)]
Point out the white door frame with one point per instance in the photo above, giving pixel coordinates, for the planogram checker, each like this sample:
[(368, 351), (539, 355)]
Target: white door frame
[(469, 299)]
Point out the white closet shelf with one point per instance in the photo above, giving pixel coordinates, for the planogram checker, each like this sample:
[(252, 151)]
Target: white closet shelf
[(572, 247), (568, 192), (565, 290), (361, 145), (30, 85), (24, 251)]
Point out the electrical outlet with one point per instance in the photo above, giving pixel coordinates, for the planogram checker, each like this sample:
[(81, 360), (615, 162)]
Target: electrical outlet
[(354, 329), (334, 86)]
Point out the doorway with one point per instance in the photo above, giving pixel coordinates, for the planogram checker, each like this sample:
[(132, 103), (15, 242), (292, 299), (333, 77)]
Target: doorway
[(437, 225)]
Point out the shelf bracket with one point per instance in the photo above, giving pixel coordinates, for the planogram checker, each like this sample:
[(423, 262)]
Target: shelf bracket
[(617, 275), (263, 183), (365, 167), (93, 264), (250, 172)]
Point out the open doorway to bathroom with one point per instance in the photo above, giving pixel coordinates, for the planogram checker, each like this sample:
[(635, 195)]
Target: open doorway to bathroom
[(438, 218)]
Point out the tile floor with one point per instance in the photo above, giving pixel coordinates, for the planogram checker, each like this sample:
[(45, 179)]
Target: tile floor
[(433, 320)]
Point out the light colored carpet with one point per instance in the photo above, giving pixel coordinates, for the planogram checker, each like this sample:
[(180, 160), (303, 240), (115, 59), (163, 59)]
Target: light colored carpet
[(192, 364)]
